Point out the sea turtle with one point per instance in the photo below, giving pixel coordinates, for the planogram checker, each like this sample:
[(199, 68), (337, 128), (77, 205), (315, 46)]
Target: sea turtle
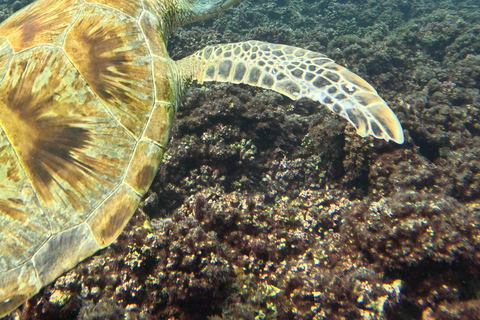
[(88, 94)]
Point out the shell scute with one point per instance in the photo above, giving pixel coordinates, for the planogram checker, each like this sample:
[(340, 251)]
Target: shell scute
[(24, 225), (110, 218), (144, 166), (17, 285), (6, 55), (109, 51), (150, 26), (43, 22), (132, 8), (63, 251), (160, 124), (70, 148)]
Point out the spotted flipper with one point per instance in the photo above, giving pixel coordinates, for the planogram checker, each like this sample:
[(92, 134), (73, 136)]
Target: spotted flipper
[(297, 73)]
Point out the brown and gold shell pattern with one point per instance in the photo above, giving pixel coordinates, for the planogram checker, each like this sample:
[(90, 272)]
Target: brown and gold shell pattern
[(86, 105)]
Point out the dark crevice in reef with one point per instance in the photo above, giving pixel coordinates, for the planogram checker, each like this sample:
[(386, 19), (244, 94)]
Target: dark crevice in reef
[(428, 148)]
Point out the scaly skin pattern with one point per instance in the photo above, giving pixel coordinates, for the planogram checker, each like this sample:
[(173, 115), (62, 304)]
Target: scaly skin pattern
[(298, 73)]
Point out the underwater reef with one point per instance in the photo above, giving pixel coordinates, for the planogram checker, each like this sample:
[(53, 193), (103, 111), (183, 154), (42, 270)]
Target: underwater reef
[(268, 208)]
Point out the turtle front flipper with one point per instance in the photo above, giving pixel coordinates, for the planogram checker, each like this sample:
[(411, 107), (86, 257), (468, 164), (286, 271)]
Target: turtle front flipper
[(297, 73)]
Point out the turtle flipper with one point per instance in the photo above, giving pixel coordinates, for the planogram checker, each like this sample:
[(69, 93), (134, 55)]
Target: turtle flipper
[(297, 73)]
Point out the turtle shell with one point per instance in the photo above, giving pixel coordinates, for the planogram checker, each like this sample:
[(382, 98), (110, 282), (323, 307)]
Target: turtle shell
[(87, 101)]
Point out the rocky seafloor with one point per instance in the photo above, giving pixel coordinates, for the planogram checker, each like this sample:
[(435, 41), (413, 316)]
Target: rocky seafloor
[(268, 208)]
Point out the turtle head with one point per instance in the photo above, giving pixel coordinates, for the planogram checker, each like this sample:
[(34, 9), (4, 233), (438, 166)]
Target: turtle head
[(196, 10), (176, 13)]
